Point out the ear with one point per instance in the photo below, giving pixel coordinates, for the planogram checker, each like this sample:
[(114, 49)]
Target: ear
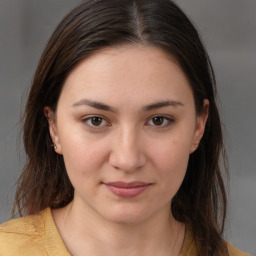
[(50, 115), (201, 120)]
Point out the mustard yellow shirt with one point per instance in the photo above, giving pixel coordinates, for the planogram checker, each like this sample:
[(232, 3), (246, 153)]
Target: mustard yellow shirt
[(37, 235)]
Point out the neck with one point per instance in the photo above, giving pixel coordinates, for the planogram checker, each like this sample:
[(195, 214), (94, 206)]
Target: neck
[(159, 235)]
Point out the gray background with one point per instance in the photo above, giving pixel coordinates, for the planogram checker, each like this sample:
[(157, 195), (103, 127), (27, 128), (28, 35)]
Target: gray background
[(228, 29)]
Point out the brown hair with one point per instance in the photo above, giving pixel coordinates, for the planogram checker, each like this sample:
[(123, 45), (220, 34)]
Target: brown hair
[(95, 24)]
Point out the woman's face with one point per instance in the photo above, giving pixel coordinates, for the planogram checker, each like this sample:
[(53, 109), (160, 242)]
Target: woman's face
[(126, 124)]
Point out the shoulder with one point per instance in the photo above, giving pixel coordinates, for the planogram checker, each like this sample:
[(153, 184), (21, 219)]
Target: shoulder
[(233, 251), (190, 249), (23, 236), (25, 225)]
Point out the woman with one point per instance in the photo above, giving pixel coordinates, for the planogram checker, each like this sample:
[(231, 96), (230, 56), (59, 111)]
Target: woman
[(123, 139)]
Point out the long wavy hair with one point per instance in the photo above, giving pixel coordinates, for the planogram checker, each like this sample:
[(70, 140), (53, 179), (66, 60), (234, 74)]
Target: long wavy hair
[(94, 24)]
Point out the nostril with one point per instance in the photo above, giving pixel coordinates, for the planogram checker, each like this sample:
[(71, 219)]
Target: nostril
[(126, 162), (127, 152)]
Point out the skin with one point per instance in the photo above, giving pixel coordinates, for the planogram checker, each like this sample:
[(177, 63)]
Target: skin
[(127, 145)]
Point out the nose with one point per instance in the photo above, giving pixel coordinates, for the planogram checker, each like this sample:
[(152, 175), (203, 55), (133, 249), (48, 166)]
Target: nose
[(127, 152)]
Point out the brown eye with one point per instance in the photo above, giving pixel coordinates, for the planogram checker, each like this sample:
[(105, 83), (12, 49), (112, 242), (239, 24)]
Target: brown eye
[(96, 121), (158, 120)]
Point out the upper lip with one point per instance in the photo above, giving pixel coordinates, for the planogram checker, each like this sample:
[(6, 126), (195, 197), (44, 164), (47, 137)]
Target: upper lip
[(121, 184)]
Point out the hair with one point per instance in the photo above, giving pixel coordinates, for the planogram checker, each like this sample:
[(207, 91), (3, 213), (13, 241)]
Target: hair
[(95, 24)]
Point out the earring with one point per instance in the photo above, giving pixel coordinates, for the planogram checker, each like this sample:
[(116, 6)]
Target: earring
[(54, 146)]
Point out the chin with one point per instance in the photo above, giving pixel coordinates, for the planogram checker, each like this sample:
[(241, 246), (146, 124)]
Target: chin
[(126, 216)]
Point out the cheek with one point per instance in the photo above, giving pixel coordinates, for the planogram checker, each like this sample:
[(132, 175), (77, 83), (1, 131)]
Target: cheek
[(171, 159), (83, 164), (173, 152), (82, 154), (83, 157)]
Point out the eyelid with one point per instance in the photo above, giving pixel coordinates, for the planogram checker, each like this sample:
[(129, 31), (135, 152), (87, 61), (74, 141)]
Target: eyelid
[(166, 117), (85, 119)]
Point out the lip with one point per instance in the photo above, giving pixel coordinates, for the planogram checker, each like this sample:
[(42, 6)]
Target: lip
[(127, 190)]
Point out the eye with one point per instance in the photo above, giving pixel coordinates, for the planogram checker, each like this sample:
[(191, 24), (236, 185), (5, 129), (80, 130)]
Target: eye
[(95, 121), (160, 121)]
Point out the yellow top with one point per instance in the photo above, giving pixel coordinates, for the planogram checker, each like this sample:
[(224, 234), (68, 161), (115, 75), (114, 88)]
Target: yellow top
[(38, 235)]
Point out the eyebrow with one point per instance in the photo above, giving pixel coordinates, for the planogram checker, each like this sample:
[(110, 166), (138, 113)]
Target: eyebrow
[(94, 104), (102, 106), (162, 104)]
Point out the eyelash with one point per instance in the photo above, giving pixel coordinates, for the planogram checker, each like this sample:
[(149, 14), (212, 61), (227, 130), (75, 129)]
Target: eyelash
[(166, 120), (90, 118)]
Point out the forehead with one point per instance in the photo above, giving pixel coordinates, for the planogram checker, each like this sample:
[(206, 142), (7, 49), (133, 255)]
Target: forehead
[(135, 72)]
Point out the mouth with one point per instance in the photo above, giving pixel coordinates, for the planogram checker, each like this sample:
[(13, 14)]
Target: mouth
[(127, 190)]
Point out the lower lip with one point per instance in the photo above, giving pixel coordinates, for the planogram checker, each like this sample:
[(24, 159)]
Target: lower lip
[(127, 192)]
